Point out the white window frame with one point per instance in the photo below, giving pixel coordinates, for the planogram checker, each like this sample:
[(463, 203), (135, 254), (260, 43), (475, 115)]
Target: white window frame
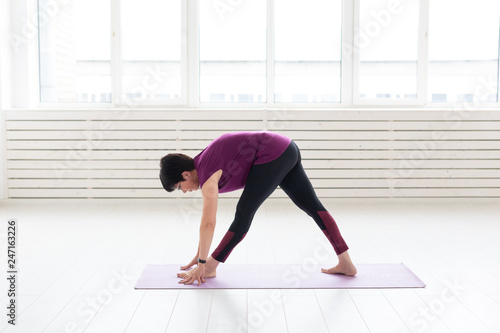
[(422, 60), (346, 85), (190, 69), (458, 105), (117, 68)]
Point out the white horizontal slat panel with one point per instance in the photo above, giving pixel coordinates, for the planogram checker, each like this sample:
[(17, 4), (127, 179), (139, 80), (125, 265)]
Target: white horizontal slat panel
[(451, 116), (66, 172), (323, 193), (347, 153), (398, 154), (306, 154), (317, 183), (323, 125), (325, 145), (132, 115), (308, 164), (289, 125), (208, 135)]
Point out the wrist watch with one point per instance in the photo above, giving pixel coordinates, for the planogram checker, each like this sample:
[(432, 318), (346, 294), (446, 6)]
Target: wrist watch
[(201, 261)]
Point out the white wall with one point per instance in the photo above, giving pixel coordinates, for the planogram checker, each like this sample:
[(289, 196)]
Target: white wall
[(3, 176), (5, 86), (23, 45), (347, 153), (3, 180)]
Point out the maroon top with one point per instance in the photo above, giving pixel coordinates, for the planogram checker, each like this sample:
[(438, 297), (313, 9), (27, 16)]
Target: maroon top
[(235, 153)]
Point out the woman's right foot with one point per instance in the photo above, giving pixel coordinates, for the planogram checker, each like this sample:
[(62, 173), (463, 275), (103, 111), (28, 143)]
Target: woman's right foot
[(211, 267), (209, 274)]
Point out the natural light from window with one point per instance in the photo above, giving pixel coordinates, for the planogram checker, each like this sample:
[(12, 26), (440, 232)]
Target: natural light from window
[(303, 64)]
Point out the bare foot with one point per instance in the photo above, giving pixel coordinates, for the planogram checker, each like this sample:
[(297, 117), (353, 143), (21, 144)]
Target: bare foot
[(349, 270), (345, 266), (211, 267), (210, 274)]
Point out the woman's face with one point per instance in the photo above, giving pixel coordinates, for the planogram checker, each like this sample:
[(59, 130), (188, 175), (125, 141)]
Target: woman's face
[(190, 182)]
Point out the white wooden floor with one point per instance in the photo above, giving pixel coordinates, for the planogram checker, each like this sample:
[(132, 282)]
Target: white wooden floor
[(79, 261)]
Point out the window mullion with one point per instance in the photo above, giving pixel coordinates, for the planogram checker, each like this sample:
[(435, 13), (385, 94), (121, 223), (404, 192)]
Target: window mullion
[(116, 53), (348, 50), (184, 52), (355, 47), (498, 69), (270, 53), (423, 54), (193, 54)]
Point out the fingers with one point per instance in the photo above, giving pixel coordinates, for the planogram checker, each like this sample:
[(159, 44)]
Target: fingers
[(190, 279), (186, 278)]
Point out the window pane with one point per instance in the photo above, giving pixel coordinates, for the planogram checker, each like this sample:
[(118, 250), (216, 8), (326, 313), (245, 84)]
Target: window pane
[(388, 45), (74, 54), (307, 54), (151, 49), (463, 50), (233, 51)]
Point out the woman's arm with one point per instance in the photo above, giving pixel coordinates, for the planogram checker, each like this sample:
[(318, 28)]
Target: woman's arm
[(210, 192)]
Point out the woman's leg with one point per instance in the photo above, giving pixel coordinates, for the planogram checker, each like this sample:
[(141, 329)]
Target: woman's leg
[(262, 180), (298, 187)]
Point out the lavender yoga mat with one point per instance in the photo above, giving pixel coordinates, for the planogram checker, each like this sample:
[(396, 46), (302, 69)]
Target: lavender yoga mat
[(284, 277)]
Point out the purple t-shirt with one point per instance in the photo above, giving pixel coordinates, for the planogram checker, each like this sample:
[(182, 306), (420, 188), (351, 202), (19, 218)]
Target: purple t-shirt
[(235, 153)]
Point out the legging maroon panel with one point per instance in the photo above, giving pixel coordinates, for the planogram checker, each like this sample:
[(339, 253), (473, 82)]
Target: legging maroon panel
[(287, 172)]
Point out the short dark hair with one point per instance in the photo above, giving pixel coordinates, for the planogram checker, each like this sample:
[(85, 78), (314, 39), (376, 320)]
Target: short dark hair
[(171, 168)]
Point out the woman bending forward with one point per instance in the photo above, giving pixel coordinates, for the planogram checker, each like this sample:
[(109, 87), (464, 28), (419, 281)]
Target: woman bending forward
[(257, 162)]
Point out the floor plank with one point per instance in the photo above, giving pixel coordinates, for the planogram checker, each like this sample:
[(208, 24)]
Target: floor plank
[(191, 312), (153, 312), (339, 311)]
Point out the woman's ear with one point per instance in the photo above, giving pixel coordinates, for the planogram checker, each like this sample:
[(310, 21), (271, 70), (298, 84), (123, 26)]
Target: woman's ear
[(186, 175)]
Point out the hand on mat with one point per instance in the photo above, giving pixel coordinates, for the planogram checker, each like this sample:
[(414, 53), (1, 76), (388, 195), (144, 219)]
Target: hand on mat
[(193, 275), (191, 264)]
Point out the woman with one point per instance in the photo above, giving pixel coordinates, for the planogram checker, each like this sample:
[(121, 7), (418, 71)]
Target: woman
[(257, 162)]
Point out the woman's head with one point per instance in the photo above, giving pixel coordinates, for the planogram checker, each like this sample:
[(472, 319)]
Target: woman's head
[(177, 172)]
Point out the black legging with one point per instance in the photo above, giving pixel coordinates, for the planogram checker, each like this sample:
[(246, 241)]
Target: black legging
[(287, 172)]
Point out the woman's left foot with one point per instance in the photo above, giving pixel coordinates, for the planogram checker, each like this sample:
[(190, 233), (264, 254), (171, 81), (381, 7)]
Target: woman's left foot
[(344, 269), (345, 266)]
